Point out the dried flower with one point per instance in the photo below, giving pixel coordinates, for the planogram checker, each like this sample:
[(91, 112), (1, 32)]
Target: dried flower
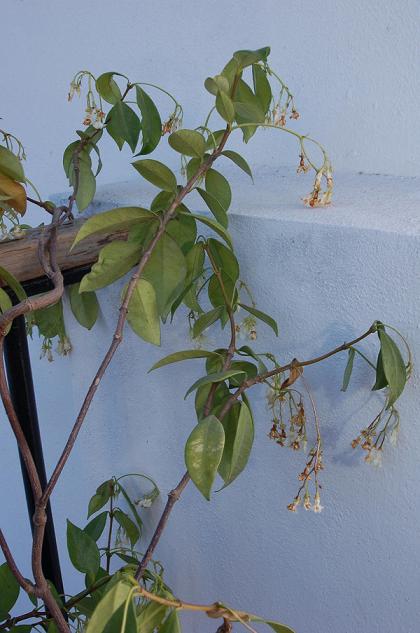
[(293, 506), (317, 503), (64, 346), (374, 457), (307, 501), (302, 167)]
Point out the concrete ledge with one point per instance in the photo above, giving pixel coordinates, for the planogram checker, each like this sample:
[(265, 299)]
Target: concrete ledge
[(365, 201), (325, 274)]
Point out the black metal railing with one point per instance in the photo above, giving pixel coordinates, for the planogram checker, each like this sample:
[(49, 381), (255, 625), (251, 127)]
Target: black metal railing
[(21, 385)]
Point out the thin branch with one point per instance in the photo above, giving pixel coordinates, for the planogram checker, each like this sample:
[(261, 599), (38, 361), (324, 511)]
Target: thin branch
[(245, 385), (215, 610), (294, 364), (23, 582), (118, 333), (39, 203), (173, 497)]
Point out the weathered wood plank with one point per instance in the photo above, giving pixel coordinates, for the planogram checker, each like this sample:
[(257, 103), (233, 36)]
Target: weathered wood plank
[(20, 257)]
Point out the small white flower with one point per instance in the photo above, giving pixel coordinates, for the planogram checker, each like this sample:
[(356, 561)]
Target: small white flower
[(146, 502), (374, 457), (270, 396), (393, 438), (317, 507)]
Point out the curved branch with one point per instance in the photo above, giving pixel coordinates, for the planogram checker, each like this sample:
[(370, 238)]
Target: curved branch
[(23, 582), (118, 333)]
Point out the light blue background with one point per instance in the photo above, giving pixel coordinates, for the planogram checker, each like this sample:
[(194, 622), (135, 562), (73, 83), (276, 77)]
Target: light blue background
[(325, 275)]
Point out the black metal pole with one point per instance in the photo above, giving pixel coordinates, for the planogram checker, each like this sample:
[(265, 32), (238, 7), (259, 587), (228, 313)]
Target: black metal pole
[(19, 377)]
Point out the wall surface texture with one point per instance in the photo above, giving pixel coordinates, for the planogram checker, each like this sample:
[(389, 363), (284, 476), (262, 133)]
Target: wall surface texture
[(325, 274)]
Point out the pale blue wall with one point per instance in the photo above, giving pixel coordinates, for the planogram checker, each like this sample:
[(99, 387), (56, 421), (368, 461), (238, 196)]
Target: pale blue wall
[(353, 68)]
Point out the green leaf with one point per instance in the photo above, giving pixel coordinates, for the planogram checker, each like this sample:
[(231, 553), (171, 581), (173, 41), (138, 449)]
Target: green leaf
[(84, 306), (238, 160), (192, 167), (217, 228), (262, 316), (203, 452), (183, 229), (215, 207), (248, 113), (114, 261), (9, 589), (129, 527), (86, 187), (188, 142), (10, 165), (218, 186), (205, 320), (142, 312), (166, 271), (231, 71), (239, 437), (118, 219), (224, 258), (151, 124), (68, 159), (150, 617), (349, 368), (123, 620), (262, 88), (95, 527), (216, 295), (162, 201), (213, 138), (245, 350), (108, 88), (83, 551), (157, 173), (394, 367), (101, 497), (50, 321), (225, 107), (110, 603), (211, 378), (11, 281), (249, 368), (184, 355), (171, 624), (215, 84), (381, 381), (248, 109), (124, 124), (5, 304), (245, 58), (132, 506), (279, 628)]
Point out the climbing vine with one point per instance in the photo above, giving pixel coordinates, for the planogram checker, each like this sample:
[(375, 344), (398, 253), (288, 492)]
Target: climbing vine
[(170, 258)]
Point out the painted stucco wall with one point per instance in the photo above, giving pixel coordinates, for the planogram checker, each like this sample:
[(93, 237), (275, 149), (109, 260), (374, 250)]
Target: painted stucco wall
[(353, 67), (326, 275)]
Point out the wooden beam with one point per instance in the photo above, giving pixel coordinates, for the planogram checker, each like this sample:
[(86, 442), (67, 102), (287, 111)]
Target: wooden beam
[(20, 257)]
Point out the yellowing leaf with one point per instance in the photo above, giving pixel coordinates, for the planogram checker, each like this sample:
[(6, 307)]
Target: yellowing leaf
[(15, 193), (143, 314), (203, 452)]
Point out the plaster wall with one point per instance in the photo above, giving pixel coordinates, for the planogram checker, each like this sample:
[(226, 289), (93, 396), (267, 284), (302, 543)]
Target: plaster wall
[(326, 275)]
